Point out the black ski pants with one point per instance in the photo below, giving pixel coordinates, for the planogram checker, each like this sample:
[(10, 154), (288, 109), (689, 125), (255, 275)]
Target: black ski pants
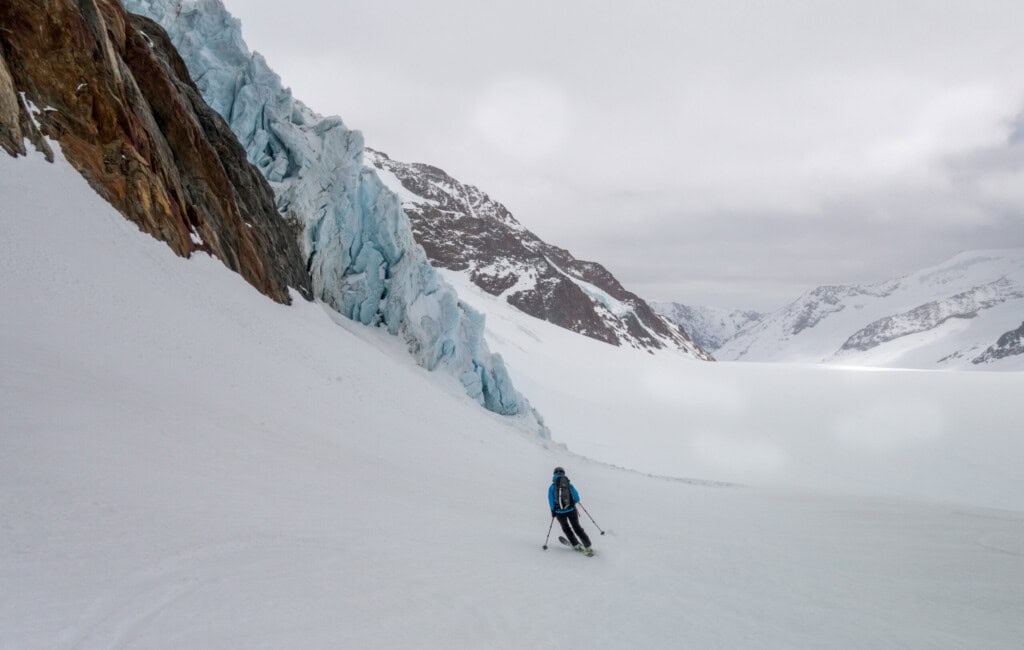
[(570, 522)]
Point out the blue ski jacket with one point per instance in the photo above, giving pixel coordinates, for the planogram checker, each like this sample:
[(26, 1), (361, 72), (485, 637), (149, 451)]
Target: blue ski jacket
[(551, 496)]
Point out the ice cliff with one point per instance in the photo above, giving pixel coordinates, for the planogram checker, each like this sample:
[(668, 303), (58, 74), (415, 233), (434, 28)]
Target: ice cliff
[(358, 243)]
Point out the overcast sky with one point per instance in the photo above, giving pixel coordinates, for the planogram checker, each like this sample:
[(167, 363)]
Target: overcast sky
[(723, 153)]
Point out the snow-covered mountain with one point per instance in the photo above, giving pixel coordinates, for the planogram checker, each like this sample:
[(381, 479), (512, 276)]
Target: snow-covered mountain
[(710, 327), (463, 229), (963, 313)]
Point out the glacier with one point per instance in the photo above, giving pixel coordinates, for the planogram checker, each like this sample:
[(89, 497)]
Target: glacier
[(358, 242)]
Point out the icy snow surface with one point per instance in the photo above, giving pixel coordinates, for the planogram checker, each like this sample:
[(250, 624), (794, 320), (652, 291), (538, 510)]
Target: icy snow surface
[(186, 464), (359, 243)]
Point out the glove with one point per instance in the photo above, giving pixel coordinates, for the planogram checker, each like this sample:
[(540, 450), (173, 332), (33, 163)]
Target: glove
[(552, 514)]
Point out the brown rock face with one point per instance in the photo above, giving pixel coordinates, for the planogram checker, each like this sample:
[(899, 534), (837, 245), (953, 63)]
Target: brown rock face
[(111, 89), (462, 229)]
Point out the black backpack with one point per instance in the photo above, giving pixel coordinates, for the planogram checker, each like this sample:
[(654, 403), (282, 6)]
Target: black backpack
[(563, 494)]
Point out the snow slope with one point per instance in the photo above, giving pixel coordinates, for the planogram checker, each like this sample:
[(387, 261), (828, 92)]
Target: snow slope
[(919, 434), (945, 316), (186, 464)]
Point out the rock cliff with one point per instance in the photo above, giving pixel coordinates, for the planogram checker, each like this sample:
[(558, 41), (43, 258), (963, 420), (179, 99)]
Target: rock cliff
[(110, 89)]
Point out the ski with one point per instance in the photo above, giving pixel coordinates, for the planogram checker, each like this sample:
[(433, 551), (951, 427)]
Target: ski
[(589, 552)]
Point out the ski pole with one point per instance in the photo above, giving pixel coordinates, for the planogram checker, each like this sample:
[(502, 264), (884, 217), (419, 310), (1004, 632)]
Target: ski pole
[(591, 518), (545, 547)]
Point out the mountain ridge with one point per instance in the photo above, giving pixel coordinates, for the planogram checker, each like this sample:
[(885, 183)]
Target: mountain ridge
[(463, 229), (944, 316)]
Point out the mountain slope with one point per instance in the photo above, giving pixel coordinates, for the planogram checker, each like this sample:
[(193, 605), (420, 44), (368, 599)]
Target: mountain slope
[(357, 243), (463, 229), (710, 327), (944, 316), (199, 467)]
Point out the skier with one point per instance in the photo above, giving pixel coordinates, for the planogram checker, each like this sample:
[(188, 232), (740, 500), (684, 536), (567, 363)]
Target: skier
[(563, 497)]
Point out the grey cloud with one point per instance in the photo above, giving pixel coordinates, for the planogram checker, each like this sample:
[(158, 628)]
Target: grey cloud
[(722, 153)]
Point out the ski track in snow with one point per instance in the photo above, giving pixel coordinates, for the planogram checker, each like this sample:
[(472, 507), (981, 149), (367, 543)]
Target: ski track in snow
[(206, 574)]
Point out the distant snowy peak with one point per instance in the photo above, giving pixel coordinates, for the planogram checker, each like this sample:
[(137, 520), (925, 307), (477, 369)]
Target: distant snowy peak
[(822, 302), (951, 315), (463, 229), (710, 327)]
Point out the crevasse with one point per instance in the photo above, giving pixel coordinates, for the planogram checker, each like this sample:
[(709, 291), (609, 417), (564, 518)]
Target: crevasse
[(358, 243)]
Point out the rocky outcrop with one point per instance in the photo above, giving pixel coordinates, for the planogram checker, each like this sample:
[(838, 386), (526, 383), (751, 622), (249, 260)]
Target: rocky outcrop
[(1010, 344), (463, 229), (111, 90)]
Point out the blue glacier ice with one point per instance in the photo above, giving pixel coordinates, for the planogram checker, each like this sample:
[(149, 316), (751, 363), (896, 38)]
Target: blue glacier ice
[(359, 246)]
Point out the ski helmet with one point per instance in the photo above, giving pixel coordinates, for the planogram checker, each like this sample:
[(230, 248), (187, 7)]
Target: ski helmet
[(559, 470)]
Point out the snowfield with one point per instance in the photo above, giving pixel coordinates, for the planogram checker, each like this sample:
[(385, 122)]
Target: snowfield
[(956, 437), (186, 464)]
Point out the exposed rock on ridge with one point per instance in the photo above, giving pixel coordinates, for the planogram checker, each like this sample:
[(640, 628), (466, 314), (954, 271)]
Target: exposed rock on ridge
[(113, 92), (463, 229), (928, 316), (1009, 344)]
